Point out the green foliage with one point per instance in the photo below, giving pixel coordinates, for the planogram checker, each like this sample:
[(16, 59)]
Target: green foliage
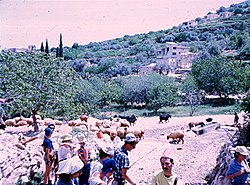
[(245, 106), (208, 38), (244, 52), (219, 75), (34, 179), (164, 94), (190, 93), (153, 90), (39, 84)]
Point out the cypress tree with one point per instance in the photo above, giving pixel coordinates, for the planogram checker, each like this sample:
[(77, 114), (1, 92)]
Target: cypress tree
[(47, 47), (42, 47), (57, 52), (60, 47)]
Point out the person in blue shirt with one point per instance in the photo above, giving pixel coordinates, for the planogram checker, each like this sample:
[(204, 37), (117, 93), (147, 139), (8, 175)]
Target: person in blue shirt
[(238, 170), (48, 156)]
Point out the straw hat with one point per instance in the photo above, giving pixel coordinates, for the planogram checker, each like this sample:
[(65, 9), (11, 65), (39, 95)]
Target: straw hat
[(66, 137)]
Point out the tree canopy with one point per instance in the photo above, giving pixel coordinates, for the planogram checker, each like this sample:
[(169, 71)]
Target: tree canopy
[(39, 84), (219, 75)]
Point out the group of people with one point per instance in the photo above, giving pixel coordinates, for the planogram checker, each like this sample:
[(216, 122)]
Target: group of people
[(76, 168), (73, 165)]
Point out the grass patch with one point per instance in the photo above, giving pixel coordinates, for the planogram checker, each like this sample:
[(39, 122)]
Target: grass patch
[(183, 111)]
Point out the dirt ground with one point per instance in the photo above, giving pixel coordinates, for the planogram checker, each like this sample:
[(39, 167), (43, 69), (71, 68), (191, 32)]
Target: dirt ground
[(193, 160)]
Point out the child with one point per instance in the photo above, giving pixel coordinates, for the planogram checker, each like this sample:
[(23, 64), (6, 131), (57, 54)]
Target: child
[(84, 156), (48, 156)]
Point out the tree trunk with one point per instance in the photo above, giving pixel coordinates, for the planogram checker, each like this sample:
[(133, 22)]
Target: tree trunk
[(36, 128)]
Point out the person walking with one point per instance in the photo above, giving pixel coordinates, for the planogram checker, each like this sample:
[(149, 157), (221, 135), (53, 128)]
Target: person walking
[(238, 170), (122, 160), (236, 118), (166, 175)]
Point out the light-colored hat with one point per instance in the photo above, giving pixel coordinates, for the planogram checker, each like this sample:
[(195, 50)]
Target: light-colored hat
[(106, 147), (81, 138), (242, 150), (70, 166), (108, 150), (130, 138), (66, 137)]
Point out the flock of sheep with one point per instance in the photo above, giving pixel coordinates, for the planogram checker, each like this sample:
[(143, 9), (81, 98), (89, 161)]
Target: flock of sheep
[(113, 127)]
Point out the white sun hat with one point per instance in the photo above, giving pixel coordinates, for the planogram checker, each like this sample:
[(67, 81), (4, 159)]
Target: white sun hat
[(70, 166), (241, 150)]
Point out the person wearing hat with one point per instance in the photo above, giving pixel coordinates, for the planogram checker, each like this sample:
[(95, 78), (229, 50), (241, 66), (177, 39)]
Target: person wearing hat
[(48, 156), (54, 138), (66, 148), (166, 176), (42, 134), (69, 169), (106, 151), (122, 160), (238, 170), (101, 178), (84, 155)]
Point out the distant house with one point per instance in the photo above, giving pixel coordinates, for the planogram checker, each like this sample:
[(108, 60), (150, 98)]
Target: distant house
[(175, 55), (211, 16), (191, 23), (225, 15), (147, 69), (19, 50)]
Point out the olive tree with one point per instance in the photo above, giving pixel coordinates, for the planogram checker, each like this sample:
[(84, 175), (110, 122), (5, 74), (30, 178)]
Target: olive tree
[(39, 83), (219, 75), (190, 93)]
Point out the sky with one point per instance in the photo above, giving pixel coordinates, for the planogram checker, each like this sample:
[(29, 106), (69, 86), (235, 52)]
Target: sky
[(31, 22)]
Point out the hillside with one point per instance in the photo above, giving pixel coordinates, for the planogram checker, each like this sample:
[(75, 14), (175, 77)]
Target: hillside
[(206, 37)]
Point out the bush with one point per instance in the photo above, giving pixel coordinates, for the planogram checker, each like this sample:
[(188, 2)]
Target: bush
[(215, 102)]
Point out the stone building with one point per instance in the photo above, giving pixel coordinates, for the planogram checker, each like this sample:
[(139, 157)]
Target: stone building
[(175, 55), (188, 24)]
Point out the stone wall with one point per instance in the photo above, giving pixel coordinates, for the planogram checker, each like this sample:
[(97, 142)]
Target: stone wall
[(218, 174), (17, 160)]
